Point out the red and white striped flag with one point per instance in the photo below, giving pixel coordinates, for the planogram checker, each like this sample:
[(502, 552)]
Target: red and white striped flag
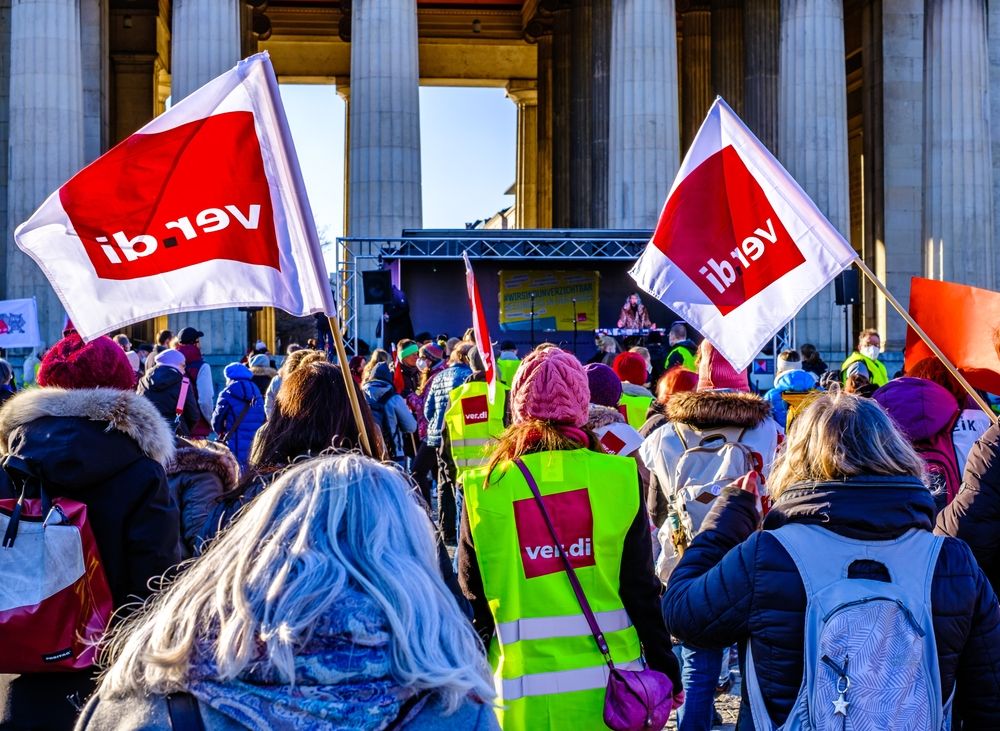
[(483, 342), (202, 208), (739, 247)]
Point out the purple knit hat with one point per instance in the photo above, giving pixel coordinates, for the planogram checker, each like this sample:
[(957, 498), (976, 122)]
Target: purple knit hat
[(605, 385), (551, 386)]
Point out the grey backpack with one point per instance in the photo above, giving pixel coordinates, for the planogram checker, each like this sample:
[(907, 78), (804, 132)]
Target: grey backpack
[(870, 660)]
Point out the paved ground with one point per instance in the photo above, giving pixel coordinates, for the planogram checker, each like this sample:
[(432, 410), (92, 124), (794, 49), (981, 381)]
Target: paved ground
[(728, 707)]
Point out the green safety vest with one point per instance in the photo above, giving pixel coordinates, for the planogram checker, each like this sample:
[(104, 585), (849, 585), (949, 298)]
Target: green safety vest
[(507, 369), (473, 423), (634, 409), (687, 358), (875, 367), (548, 672)]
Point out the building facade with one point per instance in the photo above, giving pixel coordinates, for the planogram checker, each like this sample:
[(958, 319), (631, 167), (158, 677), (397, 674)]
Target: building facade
[(887, 112)]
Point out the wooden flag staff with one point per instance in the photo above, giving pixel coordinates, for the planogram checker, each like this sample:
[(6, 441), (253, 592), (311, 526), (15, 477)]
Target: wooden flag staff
[(352, 393), (923, 336)]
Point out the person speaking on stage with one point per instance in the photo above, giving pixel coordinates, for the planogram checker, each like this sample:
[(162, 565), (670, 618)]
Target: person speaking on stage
[(634, 315)]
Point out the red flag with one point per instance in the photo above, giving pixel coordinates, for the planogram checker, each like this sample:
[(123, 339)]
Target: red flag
[(739, 247), (397, 371), (204, 207), (961, 320), (483, 342)]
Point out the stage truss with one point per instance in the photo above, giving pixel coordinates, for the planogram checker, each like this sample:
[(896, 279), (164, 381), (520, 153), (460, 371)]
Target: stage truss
[(353, 255)]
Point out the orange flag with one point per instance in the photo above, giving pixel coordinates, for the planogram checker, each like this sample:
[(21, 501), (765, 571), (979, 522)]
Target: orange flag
[(961, 321)]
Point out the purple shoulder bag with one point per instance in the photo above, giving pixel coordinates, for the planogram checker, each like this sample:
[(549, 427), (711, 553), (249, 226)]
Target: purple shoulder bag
[(634, 699)]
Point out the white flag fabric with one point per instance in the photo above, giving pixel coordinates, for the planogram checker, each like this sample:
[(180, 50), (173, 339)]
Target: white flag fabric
[(739, 247), (202, 208), (19, 324)]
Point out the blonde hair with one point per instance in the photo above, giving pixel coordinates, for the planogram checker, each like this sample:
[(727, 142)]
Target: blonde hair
[(377, 357), (298, 358), (838, 436), (326, 527)]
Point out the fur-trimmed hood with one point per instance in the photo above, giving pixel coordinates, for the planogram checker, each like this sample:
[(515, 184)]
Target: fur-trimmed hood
[(267, 371), (599, 416), (124, 411), (203, 456), (715, 409)]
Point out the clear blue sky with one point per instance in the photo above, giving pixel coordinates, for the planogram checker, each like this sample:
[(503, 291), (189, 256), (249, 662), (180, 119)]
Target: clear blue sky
[(468, 152)]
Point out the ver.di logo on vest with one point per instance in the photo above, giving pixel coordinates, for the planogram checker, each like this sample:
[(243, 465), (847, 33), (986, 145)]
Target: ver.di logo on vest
[(475, 410), (574, 523)]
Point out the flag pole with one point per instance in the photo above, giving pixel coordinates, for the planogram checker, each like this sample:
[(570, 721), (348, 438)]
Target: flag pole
[(926, 338), (352, 393)]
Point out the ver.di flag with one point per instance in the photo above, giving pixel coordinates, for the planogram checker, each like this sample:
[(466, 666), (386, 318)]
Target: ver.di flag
[(479, 326), (202, 208), (739, 247)]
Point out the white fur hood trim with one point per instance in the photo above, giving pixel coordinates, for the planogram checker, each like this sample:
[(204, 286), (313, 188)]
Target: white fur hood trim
[(127, 412)]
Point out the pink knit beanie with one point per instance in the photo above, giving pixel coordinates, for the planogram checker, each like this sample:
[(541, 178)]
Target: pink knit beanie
[(550, 385), (715, 372)]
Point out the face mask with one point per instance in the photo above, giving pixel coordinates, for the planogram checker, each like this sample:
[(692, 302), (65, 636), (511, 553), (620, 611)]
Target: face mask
[(871, 351), (422, 363)]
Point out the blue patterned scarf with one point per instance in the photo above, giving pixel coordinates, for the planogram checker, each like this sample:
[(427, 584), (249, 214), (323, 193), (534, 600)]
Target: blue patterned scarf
[(342, 678)]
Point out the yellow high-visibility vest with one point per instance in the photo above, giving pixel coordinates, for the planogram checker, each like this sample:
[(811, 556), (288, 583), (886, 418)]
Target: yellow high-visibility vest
[(548, 672), (473, 424)]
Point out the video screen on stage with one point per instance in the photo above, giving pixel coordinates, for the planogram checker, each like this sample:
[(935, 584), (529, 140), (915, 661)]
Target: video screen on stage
[(560, 299)]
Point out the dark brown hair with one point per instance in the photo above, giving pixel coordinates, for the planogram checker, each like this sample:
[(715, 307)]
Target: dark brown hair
[(312, 415), (530, 437)]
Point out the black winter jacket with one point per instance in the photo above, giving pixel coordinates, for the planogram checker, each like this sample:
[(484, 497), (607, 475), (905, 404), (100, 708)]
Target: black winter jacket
[(974, 514), (106, 449), (735, 584), (162, 386)]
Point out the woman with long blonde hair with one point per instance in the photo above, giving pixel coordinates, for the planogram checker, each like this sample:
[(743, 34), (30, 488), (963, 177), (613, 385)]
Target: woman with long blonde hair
[(849, 503), (509, 566), (322, 607)]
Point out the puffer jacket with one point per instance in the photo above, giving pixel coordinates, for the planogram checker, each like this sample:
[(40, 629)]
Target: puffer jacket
[(105, 448), (162, 386), (796, 380), (198, 475), (238, 396), (734, 584), (974, 514), (439, 397)]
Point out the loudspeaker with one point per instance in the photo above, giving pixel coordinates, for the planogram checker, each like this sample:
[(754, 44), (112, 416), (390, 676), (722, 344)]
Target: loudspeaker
[(377, 287), (846, 288)]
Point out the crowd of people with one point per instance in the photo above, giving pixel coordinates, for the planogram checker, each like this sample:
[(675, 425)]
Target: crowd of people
[(580, 545)]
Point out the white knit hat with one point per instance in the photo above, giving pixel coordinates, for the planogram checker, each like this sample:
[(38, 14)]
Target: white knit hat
[(781, 365)]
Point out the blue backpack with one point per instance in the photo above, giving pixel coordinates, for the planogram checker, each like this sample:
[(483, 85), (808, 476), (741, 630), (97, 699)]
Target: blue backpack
[(870, 659)]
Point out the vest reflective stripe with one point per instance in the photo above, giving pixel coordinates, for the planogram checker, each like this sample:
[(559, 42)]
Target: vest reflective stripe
[(561, 681), (541, 628), (470, 442)]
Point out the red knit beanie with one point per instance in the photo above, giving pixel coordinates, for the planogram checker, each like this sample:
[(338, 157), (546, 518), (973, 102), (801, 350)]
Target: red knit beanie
[(551, 386), (631, 368), (715, 372), (101, 363)]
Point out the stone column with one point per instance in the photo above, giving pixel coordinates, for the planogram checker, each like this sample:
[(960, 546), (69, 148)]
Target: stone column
[(581, 123), (525, 95), (46, 132), (696, 66), (958, 171), (94, 56), (544, 116), (600, 100), (812, 135), (760, 68), (5, 224), (644, 141), (204, 43), (385, 195), (562, 180), (903, 150), (727, 52)]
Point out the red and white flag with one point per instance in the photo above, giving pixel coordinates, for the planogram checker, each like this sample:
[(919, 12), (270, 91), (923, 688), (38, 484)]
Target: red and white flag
[(202, 208), (739, 247), (483, 342)]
